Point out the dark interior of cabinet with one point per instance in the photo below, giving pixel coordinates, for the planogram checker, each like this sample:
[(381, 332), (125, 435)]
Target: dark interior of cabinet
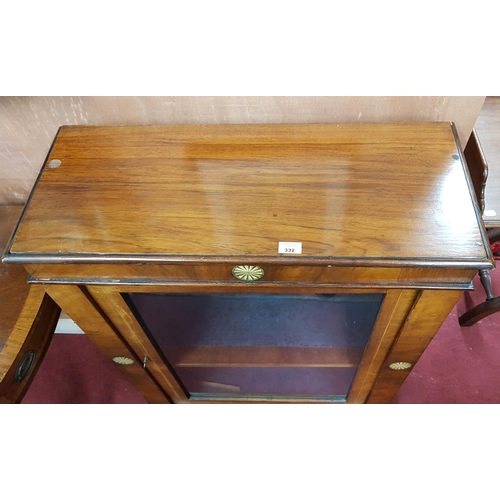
[(260, 345)]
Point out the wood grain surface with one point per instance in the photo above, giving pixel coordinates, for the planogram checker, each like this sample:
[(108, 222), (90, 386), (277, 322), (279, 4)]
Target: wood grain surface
[(81, 308), (27, 318), (391, 318), (125, 322), (478, 168), (427, 315), (353, 191), (28, 124), (30, 336), (13, 279), (90, 274), (166, 208)]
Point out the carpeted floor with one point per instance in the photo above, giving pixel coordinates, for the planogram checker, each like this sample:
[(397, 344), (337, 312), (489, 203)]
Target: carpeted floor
[(461, 365)]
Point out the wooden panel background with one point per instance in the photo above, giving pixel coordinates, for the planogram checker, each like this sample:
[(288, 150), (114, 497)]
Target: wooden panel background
[(28, 124)]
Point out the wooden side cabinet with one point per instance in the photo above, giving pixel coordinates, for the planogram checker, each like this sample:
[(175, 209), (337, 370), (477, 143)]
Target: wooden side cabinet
[(28, 318), (256, 263)]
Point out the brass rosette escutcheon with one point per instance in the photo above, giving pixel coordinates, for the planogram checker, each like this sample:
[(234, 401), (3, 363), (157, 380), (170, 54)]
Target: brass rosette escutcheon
[(400, 365), (248, 273), (122, 360)]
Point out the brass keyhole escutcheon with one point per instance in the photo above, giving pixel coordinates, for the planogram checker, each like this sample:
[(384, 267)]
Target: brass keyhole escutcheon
[(248, 273)]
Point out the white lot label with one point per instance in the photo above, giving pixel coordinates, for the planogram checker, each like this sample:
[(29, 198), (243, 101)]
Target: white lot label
[(290, 247), (490, 213)]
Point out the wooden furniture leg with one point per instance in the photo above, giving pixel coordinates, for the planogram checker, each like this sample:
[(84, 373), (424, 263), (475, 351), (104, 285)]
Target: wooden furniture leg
[(490, 306)]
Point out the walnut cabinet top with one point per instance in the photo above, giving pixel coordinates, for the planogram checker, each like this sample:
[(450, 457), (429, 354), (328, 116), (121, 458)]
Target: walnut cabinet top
[(353, 194)]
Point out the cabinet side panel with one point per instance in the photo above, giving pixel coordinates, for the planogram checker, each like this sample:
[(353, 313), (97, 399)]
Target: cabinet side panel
[(391, 317), (30, 337), (117, 310), (423, 322), (79, 307)]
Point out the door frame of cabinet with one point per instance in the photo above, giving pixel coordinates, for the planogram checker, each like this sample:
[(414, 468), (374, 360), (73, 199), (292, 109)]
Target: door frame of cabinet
[(407, 321)]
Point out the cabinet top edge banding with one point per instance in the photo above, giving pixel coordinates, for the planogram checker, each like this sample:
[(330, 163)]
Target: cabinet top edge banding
[(47, 258)]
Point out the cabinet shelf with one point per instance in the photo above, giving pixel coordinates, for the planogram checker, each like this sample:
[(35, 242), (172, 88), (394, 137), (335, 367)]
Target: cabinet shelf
[(263, 357)]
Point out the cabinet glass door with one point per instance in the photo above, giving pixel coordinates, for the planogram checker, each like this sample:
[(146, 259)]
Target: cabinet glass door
[(260, 345)]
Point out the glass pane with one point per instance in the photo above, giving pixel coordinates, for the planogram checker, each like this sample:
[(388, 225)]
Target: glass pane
[(250, 345)]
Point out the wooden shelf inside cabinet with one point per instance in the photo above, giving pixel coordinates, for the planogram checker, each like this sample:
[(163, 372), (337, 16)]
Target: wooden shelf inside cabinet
[(271, 357), (256, 263)]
